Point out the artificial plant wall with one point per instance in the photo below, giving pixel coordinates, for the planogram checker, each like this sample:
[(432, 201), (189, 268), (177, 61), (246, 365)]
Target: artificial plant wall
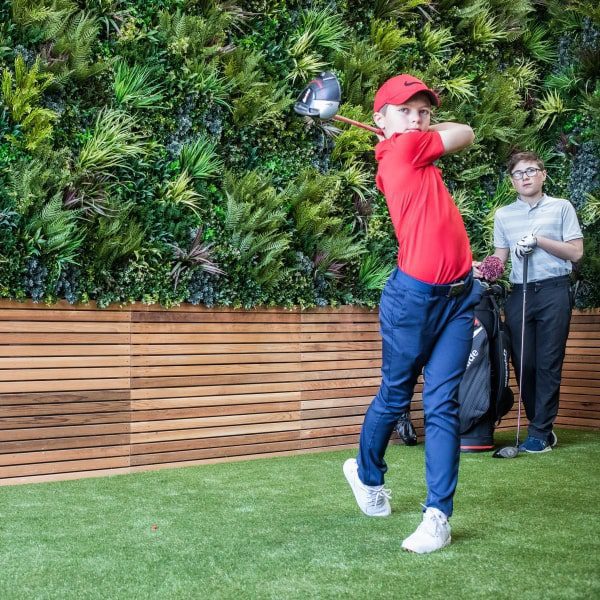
[(149, 150)]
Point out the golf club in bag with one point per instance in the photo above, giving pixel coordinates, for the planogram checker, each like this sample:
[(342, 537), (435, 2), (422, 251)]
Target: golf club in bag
[(513, 451), (484, 394), (321, 99)]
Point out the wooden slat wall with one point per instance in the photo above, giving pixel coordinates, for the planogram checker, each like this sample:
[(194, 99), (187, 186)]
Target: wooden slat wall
[(64, 391), (580, 385), (210, 384), (86, 392)]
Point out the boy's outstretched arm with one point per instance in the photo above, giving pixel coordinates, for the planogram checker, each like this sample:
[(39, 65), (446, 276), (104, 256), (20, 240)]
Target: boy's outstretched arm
[(455, 136)]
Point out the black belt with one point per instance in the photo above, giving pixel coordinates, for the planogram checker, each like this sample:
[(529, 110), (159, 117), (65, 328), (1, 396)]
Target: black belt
[(451, 290), (559, 281)]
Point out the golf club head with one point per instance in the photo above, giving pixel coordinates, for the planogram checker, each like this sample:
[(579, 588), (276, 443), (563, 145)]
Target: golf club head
[(320, 98), (506, 452)]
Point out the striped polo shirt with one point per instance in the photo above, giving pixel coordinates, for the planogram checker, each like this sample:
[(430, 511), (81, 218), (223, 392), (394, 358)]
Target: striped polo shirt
[(552, 218)]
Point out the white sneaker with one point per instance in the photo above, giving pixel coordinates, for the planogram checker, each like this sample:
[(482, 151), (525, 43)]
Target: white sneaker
[(373, 500), (432, 534)]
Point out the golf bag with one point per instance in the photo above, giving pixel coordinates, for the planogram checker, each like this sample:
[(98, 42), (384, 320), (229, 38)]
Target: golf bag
[(484, 395)]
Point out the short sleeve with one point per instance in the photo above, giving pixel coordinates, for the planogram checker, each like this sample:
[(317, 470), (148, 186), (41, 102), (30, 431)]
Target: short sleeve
[(419, 148), (500, 239), (571, 229)]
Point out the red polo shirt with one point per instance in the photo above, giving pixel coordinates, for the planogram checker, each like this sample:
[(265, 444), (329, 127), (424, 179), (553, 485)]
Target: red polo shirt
[(433, 242)]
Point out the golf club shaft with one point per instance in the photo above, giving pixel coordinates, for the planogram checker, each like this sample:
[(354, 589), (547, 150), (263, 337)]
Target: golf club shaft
[(523, 316), (357, 124)]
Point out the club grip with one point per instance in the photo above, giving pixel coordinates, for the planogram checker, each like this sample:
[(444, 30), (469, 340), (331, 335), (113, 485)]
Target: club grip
[(357, 124)]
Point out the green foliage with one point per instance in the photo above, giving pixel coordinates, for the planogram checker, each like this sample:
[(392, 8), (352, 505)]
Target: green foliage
[(201, 160), (197, 256), (57, 232), (29, 183), (20, 94), (373, 273), (254, 225), (320, 234), (137, 87), (179, 191), (116, 238), (319, 33), (397, 9), (43, 19), (551, 107), (149, 150), (105, 160), (69, 36), (111, 145), (255, 100)]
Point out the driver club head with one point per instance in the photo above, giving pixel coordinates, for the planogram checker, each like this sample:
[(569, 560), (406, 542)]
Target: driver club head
[(320, 98), (506, 452)]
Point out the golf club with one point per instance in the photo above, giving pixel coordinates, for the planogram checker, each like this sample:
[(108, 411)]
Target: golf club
[(321, 99), (513, 451)]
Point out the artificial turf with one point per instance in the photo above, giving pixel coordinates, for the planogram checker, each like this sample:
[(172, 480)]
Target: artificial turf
[(288, 527)]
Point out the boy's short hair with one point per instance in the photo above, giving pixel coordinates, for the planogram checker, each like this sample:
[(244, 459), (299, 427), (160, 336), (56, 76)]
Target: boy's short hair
[(527, 156), (401, 88)]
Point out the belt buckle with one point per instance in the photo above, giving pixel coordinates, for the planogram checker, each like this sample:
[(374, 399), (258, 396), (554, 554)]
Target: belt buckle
[(456, 289)]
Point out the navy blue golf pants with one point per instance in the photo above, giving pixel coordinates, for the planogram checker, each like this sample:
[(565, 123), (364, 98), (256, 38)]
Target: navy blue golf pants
[(547, 321), (426, 327)]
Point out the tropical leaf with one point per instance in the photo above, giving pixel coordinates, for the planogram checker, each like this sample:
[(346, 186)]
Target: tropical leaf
[(388, 38), (255, 98), (57, 232), (398, 9), (43, 19), (374, 272), (22, 94), (106, 159), (535, 39), (197, 256), (319, 28), (208, 80), (551, 107), (137, 86), (180, 192), (524, 73), (77, 42), (113, 143), (117, 238), (589, 213), (201, 160), (255, 226), (352, 142), (437, 42), (320, 33), (460, 87)]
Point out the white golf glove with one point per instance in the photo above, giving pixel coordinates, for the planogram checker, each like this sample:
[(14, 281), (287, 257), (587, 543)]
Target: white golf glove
[(525, 245)]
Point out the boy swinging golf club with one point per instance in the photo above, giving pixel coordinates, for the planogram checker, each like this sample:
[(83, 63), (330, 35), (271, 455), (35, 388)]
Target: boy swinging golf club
[(426, 309)]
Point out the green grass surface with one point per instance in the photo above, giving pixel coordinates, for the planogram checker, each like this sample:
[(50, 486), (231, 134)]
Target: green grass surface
[(289, 528)]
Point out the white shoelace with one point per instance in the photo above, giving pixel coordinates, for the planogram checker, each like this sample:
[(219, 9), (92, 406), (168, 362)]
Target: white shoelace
[(434, 524), (377, 497)]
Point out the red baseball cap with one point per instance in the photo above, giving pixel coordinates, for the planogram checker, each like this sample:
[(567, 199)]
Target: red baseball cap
[(401, 88)]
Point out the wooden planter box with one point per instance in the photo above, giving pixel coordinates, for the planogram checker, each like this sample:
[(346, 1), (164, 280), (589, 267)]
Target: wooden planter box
[(87, 392)]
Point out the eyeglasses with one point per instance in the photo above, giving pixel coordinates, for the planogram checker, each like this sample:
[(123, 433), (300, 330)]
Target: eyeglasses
[(530, 172)]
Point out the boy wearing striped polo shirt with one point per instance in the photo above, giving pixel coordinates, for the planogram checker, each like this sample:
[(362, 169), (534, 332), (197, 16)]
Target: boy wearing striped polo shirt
[(426, 309), (546, 229)]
